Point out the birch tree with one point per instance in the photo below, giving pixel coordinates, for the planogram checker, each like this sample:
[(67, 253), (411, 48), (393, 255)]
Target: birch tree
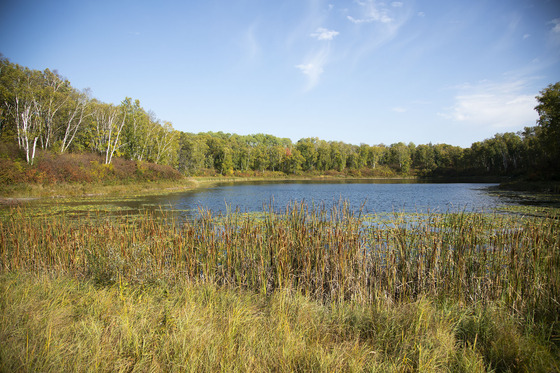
[(138, 130), (76, 113), (49, 97), (109, 122), (166, 141), (17, 86)]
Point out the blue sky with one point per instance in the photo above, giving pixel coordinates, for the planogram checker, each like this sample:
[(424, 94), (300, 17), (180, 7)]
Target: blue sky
[(358, 71)]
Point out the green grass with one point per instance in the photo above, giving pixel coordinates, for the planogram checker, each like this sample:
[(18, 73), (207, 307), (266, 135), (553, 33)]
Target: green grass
[(305, 289)]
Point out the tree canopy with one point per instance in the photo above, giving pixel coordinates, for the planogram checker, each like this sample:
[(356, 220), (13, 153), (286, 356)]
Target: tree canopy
[(41, 110)]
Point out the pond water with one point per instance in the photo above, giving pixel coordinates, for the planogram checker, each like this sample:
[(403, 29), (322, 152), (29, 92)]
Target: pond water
[(370, 196)]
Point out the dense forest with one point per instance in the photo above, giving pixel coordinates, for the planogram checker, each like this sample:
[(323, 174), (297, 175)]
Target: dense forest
[(41, 113)]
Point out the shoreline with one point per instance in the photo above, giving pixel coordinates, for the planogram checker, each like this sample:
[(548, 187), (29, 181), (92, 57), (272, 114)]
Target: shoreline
[(14, 195)]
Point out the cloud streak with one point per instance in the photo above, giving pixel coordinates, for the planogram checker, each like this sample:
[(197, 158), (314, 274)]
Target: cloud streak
[(324, 34), (376, 23), (373, 12), (500, 106), (313, 67)]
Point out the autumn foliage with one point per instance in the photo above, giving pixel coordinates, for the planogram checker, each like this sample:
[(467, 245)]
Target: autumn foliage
[(53, 168)]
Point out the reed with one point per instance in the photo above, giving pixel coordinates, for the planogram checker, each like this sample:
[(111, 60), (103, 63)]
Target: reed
[(331, 255), (309, 288)]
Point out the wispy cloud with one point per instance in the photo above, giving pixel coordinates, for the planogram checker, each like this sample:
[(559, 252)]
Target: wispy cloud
[(313, 66), (324, 34), (500, 106), (372, 12), (250, 43), (398, 109), (556, 27), (380, 23), (555, 31), (313, 70)]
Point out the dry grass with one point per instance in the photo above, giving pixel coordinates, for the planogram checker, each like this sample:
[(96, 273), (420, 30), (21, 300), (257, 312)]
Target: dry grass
[(58, 324), (304, 290)]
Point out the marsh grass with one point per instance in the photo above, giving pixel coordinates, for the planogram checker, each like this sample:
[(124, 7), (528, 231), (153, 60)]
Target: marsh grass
[(304, 289)]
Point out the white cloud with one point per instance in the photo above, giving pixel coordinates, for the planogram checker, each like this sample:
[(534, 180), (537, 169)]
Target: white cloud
[(324, 34), (399, 109), (313, 72), (372, 12), (421, 14), (397, 4), (310, 69), (379, 22), (501, 106), (555, 32), (556, 23), (357, 21), (313, 67)]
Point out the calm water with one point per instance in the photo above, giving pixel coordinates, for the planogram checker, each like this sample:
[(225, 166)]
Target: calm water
[(372, 196)]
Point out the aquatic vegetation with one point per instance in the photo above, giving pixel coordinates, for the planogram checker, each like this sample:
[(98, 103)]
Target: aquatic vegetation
[(306, 288), (332, 255)]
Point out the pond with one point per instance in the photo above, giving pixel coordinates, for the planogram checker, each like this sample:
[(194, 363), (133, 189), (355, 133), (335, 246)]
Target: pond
[(369, 196)]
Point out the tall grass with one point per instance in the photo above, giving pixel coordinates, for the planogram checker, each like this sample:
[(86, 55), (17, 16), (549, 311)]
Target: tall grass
[(308, 288), (332, 255), (55, 323)]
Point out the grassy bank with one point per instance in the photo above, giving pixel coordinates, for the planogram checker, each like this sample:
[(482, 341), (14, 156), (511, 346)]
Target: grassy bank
[(305, 289), (13, 194), (58, 323), (78, 174)]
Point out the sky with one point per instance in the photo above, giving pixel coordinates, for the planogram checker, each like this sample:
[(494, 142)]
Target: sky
[(357, 71)]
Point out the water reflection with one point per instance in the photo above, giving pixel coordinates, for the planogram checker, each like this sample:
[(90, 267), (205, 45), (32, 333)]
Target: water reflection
[(369, 196)]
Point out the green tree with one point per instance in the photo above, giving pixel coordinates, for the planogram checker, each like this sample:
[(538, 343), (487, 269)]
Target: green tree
[(424, 158), (292, 161), (260, 158), (220, 153), (399, 154), (375, 155), (276, 154), (165, 144), (73, 116), (307, 149), (139, 130), (109, 122), (338, 156), (50, 95), (20, 106), (549, 122), (324, 161)]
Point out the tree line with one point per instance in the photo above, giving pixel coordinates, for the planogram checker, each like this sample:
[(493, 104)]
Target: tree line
[(41, 110)]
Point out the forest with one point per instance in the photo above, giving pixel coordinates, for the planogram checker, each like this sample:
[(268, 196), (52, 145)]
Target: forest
[(41, 113)]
